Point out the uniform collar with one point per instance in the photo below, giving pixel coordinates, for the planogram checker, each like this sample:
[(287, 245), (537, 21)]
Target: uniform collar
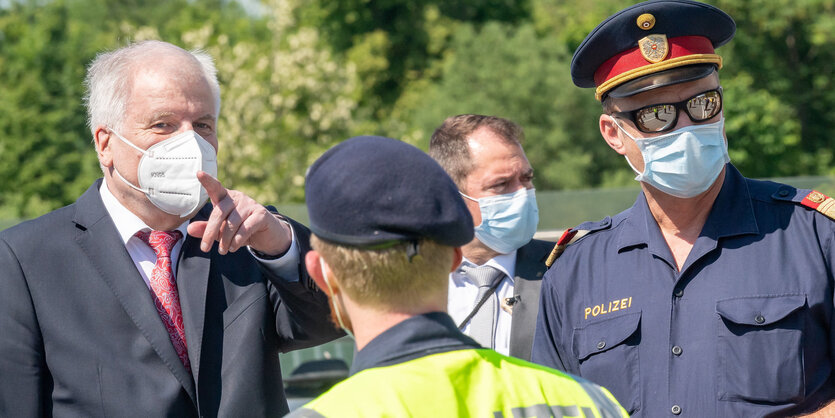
[(413, 338), (733, 211), (732, 214)]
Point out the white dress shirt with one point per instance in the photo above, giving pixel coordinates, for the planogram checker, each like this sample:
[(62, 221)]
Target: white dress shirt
[(144, 258), (463, 292)]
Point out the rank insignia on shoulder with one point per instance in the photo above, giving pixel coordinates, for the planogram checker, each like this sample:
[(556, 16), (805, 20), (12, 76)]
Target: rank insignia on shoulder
[(568, 237), (821, 203)]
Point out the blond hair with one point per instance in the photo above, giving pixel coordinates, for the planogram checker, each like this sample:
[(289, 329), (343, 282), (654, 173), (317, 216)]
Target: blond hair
[(385, 278)]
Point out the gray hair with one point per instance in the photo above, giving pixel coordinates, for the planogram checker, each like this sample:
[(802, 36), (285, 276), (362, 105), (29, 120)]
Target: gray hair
[(109, 76)]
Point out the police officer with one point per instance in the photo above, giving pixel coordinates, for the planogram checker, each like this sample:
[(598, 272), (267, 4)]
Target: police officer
[(388, 223), (713, 294)]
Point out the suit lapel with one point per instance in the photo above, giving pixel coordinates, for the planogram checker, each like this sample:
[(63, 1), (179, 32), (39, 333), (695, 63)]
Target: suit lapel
[(192, 281), (530, 267), (101, 243)]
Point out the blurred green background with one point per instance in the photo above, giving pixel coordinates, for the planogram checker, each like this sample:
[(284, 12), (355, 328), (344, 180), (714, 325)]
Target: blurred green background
[(299, 76)]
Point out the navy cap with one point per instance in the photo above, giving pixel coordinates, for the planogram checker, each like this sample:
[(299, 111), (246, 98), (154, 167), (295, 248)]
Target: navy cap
[(649, 38), (371, 191)]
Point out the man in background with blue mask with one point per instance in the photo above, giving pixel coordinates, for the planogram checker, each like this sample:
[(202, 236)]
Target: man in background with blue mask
[(493, 295), (141, 299), (388, 224), (712, 295)]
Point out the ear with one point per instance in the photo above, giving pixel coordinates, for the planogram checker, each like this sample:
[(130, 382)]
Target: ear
[(102, 136), (457, 257), (611, 134), (314, 269)]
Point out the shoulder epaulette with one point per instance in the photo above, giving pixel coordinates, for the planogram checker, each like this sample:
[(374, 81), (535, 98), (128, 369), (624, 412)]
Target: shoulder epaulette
[(821, 203), (568, 237)]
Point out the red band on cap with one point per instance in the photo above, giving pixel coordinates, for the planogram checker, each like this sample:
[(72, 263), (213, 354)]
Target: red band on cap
[(631, 59)]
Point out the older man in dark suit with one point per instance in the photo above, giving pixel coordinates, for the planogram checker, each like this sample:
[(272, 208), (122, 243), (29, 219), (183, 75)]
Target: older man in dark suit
[(494, 294), (134, 300)]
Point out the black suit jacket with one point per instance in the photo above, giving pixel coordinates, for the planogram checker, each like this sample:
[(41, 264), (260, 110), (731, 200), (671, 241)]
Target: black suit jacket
[(79, 334), (530, 267)]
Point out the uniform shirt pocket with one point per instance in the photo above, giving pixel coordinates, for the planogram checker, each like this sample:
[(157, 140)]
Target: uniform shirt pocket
[(760, 348), (608, 354)]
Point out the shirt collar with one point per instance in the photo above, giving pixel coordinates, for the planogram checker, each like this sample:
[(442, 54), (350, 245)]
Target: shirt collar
[(506, 263), (416, 337), (127, 223)]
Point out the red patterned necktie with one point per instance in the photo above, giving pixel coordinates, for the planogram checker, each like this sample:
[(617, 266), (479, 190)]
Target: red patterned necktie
[(164, 288)]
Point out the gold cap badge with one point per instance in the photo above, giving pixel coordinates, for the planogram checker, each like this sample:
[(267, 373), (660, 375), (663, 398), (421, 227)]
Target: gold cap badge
[(654, 48), (646, 21)]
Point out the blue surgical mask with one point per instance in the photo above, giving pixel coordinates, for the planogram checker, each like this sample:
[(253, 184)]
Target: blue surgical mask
[(685, 162), (508, 221)]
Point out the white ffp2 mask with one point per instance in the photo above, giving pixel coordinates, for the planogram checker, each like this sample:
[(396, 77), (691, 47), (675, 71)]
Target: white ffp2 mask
[(167, 172)]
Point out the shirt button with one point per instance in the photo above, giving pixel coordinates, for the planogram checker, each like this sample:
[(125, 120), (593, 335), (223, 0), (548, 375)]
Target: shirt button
[(601, 345), (675, 409), (679, 293), (783, 193), (759, 319), (676, 350)]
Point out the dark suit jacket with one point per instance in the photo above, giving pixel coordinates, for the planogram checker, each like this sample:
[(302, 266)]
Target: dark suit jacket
[(79, 334), (530, 267)]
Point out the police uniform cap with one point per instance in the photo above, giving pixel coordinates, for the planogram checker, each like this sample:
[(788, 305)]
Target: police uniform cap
[(651, 44), (371, 191)]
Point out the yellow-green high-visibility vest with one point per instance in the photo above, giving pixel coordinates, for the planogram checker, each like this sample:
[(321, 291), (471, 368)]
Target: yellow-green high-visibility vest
[(464, 383)]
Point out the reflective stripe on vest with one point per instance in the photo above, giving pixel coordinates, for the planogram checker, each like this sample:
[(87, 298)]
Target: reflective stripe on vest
[(467, 382)]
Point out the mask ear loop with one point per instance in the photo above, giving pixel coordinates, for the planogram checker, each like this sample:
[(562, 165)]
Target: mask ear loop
[(330, 290), (127, 142), (639, 174), (468, 197), (116, 170)]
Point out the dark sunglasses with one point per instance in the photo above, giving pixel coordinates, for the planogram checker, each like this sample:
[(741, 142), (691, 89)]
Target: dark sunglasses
[(663, 116)]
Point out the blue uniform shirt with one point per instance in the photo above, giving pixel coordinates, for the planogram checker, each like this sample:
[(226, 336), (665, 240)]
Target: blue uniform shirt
[(744, 329)]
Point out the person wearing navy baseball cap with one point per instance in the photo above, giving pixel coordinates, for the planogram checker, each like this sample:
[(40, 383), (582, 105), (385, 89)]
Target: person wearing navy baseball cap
[(388, 224), (712, 295)]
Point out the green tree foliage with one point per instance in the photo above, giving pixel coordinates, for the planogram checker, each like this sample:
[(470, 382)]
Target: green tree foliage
[(286, 99), (400, 31), (782, 62), (508, 70), (45, 158)]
